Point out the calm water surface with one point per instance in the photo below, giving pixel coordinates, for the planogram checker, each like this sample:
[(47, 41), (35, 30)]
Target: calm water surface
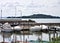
[(8, 37), (42, 20)]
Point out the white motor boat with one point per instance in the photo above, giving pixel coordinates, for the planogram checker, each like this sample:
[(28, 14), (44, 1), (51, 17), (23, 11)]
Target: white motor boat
[(6, 28), (35, 28), (44, 27), (58, 27), (17, 28), (38, 28)]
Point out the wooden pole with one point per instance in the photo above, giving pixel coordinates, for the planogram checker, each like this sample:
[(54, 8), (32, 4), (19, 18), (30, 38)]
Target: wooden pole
[(1, 13)]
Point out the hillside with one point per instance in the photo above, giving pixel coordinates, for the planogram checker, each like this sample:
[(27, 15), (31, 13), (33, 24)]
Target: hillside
[(36, 16)]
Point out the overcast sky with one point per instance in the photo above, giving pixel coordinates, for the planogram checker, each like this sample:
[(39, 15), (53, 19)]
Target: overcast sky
[(29, 7)]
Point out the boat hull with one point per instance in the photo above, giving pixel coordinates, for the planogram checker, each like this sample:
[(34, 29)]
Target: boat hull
[(6, 30)]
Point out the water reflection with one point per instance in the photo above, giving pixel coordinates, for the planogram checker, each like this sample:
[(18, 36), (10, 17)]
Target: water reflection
[(35, 37)]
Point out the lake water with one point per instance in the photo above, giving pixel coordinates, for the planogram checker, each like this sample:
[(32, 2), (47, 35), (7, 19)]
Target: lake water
[(45, 20), (8, 37)]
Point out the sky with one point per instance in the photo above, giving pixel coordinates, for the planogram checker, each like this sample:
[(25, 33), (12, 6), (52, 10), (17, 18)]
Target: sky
[(29, 7)]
